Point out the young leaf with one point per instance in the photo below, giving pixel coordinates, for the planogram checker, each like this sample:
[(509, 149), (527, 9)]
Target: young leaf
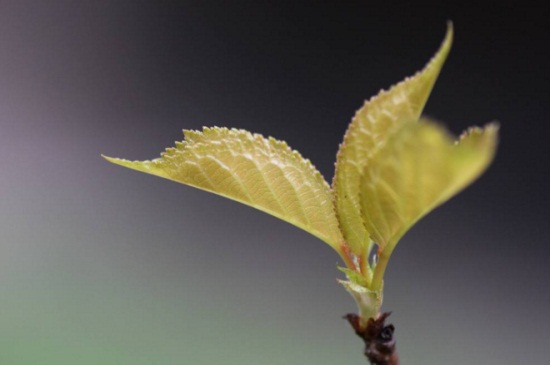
[(263, 173), (371, 126), (391, 170), (420, 167)]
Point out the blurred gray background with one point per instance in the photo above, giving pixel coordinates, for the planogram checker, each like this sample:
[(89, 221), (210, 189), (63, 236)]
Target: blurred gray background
[(103, 265)]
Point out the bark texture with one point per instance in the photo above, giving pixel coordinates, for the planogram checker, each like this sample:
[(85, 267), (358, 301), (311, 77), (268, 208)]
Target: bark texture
[(378, 338)]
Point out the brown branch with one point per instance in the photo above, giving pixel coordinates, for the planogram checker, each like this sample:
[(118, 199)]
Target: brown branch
[(378, 338)]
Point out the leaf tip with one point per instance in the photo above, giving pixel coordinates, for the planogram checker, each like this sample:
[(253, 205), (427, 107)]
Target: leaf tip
[(110, 159), (117, 161), (445, 46)]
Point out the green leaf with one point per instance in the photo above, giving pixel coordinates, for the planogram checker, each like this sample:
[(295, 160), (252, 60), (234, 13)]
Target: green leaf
[(370, 128), (418, 168), (263, 173), (354, 276)]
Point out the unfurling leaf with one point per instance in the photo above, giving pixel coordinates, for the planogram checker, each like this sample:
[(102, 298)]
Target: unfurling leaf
[(418, 168), (263, 173), (369, 130), (391, 170)]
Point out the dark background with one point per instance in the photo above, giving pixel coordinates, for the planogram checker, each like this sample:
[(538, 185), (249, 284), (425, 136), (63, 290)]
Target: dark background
[(103, 265)]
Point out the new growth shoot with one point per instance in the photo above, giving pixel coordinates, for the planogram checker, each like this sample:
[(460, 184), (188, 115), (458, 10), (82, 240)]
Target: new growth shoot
[(392, 168)]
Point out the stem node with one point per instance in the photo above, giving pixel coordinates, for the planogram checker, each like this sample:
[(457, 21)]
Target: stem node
[(378, 338)]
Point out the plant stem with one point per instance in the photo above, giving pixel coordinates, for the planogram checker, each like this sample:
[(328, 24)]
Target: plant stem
[(384, 254), (366, 268), (379, 270), (378, 338), (347, 257)]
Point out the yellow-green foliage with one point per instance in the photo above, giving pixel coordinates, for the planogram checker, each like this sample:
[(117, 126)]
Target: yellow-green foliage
[(392, 168), (261, 172)]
